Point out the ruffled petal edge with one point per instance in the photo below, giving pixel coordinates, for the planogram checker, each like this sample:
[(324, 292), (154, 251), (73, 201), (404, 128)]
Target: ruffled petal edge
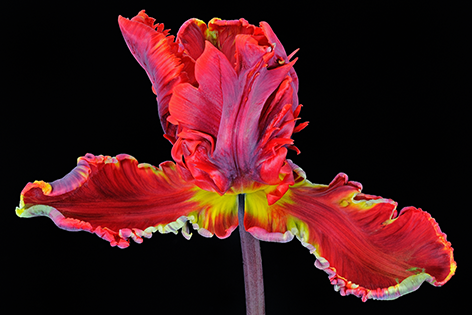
[(289, 226), (207, 214)]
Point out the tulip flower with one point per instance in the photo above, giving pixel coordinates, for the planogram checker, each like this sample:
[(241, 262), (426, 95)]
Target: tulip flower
[(227, 101)]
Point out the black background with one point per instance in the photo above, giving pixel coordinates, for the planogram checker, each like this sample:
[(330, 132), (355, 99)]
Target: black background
[(379, 85)]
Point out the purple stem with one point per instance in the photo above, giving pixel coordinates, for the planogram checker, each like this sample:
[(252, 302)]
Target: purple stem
[(252, 264)]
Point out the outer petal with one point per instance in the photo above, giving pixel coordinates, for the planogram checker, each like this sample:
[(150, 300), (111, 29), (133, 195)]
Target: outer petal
[(158, 55), (117, 198), (366, 249)]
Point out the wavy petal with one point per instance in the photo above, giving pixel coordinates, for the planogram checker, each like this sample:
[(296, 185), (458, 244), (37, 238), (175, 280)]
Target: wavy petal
[(117, 198), (158, 55), (359, 240)]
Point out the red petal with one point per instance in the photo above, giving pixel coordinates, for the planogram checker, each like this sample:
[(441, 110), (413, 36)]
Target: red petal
[(158, 55), (241, 131), (366, 249), (200, 108), (117, 198), (192, 37), (198, 112), (226, 32)]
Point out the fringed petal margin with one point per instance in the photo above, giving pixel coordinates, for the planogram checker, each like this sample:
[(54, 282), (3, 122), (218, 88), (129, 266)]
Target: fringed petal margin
[(117, 199), (159, 56), (359, 240)]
